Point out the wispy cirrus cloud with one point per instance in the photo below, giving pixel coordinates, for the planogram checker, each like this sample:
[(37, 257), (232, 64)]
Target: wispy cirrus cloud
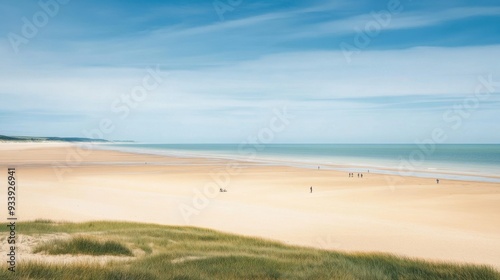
[(399, 21)]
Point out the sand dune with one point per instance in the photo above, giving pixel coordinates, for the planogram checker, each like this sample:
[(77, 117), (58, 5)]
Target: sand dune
[(453, 221)]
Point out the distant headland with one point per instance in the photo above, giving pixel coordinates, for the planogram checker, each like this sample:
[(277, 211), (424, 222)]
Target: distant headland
[(4, 138)]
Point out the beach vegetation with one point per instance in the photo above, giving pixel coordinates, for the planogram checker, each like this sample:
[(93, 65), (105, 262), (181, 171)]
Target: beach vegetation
[(173, 252)]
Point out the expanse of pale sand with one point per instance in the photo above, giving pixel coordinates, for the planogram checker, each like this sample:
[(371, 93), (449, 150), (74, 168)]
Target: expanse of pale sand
[(453, 221)]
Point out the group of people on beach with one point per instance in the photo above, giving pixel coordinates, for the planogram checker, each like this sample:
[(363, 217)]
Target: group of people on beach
[(351, 175), (360, 175)]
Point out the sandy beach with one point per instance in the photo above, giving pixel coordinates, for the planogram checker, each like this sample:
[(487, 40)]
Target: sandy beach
[(453, 221)]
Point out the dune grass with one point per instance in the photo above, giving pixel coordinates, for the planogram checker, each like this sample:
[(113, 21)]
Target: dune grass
[(83, 245), (191, 253)]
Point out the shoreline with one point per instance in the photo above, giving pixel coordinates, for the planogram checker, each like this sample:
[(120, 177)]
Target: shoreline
[(453, 221), (306, 164), (375, 169)]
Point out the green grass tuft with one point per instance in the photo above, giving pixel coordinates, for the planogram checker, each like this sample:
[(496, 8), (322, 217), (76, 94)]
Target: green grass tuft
[(84, 246)]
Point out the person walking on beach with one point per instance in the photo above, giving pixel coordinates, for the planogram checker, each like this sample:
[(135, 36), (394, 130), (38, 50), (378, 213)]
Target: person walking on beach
[(311, 189), (437, 181)]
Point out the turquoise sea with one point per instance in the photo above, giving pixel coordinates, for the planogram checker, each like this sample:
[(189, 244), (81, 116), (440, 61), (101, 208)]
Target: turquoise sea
[(453, 161)]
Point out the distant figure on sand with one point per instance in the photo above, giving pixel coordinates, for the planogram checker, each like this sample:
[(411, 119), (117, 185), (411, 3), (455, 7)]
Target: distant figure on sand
[(311, 189), (318, 167), (361, 175), (437, 181)]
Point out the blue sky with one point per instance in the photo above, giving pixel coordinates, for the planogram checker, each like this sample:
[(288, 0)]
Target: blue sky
[(347, 71)]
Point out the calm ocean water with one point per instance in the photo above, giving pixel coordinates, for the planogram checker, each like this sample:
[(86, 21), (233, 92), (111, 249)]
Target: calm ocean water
[(449, 161)]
